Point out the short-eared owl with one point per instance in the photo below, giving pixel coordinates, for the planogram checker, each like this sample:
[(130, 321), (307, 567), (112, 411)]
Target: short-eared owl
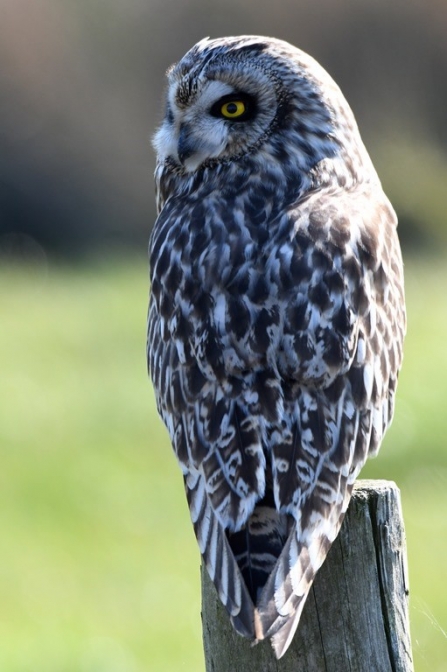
[(276, 317)]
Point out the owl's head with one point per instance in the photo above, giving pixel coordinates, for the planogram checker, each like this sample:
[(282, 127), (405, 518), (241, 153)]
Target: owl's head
[(231, 97)]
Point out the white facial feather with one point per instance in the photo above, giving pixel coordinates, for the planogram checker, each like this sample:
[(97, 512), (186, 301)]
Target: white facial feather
[(207, 133)]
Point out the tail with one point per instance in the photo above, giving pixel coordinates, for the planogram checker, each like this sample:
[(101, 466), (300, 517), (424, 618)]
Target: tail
[(258, 545), (270, 563)]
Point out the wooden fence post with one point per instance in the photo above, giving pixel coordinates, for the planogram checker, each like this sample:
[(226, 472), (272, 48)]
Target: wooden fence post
[(356, 615)]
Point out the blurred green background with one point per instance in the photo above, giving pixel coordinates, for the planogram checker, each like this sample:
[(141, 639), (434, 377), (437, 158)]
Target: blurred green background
[(99, 567)]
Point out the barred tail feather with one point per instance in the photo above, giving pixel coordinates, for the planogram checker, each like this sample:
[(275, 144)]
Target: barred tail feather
[(219, 560)]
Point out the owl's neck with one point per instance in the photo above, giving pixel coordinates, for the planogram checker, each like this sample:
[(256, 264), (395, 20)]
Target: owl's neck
[(280, 177)]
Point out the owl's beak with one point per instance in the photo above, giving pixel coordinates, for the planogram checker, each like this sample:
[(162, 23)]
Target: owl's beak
[(186, 145)]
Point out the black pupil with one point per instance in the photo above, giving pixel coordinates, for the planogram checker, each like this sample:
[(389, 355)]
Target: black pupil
[(231, 108)]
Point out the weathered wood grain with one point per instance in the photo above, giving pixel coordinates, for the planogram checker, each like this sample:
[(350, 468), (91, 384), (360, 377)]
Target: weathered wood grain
[(356, 615)]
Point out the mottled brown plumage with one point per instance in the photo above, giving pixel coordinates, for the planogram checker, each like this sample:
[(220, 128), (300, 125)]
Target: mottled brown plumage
[(276, 319)]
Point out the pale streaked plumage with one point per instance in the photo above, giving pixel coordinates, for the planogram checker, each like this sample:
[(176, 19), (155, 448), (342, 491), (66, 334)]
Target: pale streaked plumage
[(276, 319)]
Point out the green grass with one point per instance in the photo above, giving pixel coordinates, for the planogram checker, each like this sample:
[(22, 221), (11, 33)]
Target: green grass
[(99, 567)]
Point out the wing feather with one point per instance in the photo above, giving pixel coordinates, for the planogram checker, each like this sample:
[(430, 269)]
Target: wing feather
[(218, 557)]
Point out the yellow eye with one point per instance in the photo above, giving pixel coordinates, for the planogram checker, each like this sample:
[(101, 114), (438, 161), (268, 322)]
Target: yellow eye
[(233, 109)]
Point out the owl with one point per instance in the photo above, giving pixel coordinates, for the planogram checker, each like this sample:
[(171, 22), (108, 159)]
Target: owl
[(276, 316)]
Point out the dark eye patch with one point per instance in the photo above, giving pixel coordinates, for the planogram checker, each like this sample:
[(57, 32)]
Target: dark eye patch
[(248, 101)]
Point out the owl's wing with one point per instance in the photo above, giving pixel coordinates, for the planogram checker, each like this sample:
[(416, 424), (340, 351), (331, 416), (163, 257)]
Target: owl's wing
[(338, 418), (329, 443), (219, 450)]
